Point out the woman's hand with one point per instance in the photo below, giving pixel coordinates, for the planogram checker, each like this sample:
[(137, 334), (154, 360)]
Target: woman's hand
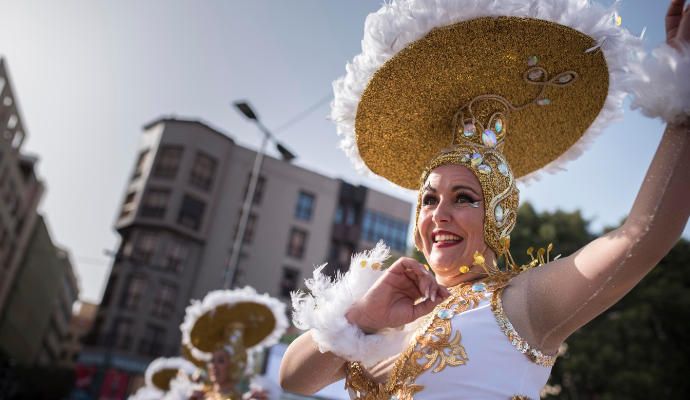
[(678, 24), (404, 293)]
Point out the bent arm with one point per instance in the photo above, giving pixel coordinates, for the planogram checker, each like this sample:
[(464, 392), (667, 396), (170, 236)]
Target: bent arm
[(305, 370), (566, 294)]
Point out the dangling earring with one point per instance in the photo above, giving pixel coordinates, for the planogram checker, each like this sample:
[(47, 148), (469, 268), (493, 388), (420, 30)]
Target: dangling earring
[(464, 269)]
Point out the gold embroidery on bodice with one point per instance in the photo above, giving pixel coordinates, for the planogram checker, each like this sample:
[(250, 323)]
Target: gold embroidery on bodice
[(433, 348)]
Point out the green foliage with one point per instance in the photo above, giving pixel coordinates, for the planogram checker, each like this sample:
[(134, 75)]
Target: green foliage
[(567, 231)]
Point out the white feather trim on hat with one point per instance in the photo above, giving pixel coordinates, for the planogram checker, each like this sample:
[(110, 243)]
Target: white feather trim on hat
[(217, 298), (147, 393), (401, 22), (162, 363), (323, 311), (182, 388), (661, 87)]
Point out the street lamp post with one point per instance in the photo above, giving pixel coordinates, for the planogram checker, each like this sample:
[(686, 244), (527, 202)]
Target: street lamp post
[(246, 110)]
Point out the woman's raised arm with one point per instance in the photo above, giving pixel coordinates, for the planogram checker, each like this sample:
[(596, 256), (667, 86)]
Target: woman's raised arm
[(565, 294)]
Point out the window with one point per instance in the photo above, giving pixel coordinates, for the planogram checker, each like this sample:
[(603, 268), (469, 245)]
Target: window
[(297, 243), (121, 334), (129, 205), (250, 228), (258, 191), (164, 302), (141, 163), (168, 161), (145, 247), (377, 226), (289, 281), (339, 215), (351, 216), (305, 206), (191, 212), (202, 172), (155, 202), (133, 291), (176, 256), (151, 344)]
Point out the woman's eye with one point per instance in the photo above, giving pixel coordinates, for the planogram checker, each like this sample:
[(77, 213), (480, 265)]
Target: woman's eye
[(463, 198), (428, 200)]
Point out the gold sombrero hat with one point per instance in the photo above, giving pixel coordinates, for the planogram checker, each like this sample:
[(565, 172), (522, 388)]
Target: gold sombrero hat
[(558, 68), (208, 323), (162, 371)]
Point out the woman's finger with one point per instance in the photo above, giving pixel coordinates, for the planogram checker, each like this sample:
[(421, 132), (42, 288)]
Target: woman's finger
[(424, 308), (673, 18), (683, 33)]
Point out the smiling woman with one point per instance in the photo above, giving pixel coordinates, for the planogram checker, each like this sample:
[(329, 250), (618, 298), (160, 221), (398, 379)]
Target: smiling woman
[(472, 96)]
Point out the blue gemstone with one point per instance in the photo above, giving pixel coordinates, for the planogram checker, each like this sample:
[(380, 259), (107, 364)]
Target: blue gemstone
[(479, 287), (445, 313), (498, 125)]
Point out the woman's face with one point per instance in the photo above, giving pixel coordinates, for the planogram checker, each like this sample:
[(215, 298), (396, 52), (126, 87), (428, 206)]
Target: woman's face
[(218, 371), (451, 223)]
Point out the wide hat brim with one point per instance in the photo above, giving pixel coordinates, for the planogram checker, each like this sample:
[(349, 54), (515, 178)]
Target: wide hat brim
[(405, 114), (210, 331), (162, 370)]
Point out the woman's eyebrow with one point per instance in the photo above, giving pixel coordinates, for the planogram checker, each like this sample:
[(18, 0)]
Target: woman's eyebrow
[(429, 188), (460, 187)]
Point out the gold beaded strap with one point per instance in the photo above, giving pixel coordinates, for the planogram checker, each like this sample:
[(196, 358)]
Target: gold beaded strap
[(516, 340)]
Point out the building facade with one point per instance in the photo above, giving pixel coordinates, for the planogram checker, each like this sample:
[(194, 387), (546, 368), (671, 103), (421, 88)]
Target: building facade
[(37, 284), (20, 189), (178, 221), (35, 325)]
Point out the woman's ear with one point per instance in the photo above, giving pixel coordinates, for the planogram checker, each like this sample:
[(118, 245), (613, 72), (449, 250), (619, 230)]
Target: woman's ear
[(418, 240)]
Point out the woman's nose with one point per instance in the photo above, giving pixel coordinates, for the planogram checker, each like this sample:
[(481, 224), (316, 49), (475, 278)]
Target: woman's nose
[(441, 213)]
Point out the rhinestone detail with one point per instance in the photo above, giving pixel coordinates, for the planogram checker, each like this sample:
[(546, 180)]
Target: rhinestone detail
[(489, 138), (476, 159), (499, 213), (445, 313), (503, 169), (515, 339), (469, 130), (535, 74), (479, 287)]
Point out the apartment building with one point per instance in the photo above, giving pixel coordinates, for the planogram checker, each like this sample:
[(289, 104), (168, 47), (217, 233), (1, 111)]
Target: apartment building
[(20, 189), (178, 220)]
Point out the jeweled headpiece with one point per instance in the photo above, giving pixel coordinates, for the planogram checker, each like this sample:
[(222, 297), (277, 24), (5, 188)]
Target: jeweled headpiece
[(506, 88)]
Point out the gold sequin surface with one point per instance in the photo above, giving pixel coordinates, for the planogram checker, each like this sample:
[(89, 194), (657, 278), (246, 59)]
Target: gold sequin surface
[(405, 116)]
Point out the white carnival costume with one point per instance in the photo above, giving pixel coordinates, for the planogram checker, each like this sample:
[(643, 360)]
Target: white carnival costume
[(507, 89)]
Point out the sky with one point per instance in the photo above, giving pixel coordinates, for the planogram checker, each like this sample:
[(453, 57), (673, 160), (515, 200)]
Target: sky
[(89, 74)]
